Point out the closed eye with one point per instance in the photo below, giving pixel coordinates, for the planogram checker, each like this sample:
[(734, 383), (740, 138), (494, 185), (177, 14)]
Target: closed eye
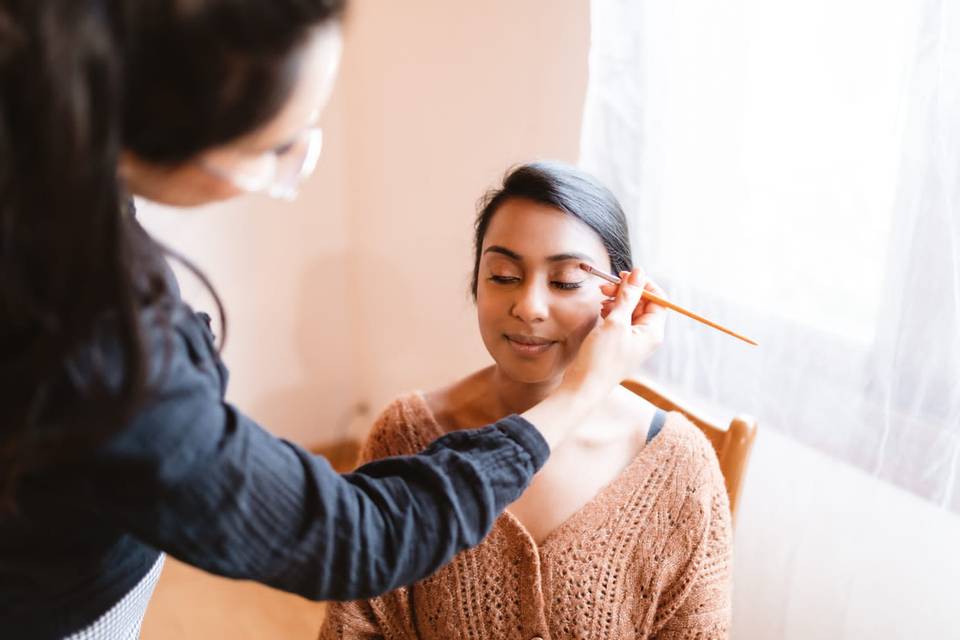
[(557, 284)]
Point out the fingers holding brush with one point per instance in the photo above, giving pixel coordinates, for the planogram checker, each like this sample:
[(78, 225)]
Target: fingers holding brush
[(650, 318), (648, 312), (628, 296), (654, 302), (615, 292), (647, 315)]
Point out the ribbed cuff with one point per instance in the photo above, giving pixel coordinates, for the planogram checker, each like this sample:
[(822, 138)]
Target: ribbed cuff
[(522, 431)]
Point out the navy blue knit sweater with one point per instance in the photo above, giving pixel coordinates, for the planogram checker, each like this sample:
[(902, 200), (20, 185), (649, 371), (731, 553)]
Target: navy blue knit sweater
[(192, 476)]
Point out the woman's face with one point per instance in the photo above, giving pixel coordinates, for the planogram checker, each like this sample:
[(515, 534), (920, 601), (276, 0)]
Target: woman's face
[(534, 304), (205, 178)]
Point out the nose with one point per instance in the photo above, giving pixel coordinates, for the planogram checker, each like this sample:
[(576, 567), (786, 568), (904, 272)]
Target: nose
[(531, 304)]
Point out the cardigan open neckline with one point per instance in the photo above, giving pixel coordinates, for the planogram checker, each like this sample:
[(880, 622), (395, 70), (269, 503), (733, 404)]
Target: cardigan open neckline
[(632, 471)]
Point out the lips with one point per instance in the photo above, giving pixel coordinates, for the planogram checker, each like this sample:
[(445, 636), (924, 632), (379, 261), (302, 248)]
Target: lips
[(526, 345)]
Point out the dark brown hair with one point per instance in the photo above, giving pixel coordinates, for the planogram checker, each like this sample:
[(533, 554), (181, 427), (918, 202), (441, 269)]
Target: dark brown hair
[(81, 80)]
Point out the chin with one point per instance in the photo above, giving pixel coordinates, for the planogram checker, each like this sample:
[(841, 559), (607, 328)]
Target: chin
[(529, 372)]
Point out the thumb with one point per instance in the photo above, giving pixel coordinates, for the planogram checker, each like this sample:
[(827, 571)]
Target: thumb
[(628, 297)]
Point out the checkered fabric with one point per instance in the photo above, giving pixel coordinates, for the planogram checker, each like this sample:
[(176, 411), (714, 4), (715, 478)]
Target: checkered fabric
[(123, 620)]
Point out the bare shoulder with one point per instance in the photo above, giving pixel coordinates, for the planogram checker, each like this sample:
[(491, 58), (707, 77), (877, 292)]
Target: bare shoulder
[(628, 413), (463, 404), (443, 401)]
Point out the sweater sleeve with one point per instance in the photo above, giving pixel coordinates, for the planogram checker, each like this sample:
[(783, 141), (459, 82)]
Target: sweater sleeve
[(396, 431), (350, 621), (193, 476), (699, 605)]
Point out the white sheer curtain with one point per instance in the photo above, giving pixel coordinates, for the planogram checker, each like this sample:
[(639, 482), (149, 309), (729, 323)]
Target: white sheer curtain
[(791, 169)]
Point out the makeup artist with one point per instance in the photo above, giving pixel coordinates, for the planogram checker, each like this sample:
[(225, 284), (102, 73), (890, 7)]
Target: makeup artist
[(116, 444)]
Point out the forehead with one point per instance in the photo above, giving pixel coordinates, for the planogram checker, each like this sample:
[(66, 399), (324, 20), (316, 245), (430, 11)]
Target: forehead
[(537, 231)]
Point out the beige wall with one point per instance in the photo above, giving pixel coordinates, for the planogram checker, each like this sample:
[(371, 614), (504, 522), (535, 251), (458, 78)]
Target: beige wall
[(442, 100), (358, 292)]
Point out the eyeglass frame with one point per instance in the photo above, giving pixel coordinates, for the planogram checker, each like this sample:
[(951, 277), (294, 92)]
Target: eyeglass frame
[(270, 185)]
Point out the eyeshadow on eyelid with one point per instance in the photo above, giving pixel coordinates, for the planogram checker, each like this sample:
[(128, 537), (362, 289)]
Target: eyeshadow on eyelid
[(570, 273), (503, 270)]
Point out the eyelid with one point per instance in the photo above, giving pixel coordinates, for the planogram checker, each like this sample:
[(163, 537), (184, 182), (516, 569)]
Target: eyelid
[(570, 274), (502, 264)]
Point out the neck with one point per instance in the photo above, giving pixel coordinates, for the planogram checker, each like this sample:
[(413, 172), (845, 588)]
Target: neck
[(516, 397)]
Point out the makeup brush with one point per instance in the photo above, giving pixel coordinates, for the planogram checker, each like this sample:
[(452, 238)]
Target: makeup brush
[(666, 303)]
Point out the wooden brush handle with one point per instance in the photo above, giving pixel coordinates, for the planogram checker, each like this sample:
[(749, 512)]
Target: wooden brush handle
[(652, 297)]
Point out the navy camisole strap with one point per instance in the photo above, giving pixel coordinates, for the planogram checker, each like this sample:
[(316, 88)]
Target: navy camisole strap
[(659, 419)]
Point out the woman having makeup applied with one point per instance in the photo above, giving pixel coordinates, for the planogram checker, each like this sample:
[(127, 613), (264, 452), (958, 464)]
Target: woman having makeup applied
[(625, 532)]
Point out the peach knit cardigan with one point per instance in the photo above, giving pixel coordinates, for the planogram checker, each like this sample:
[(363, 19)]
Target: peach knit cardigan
[(648, 557)]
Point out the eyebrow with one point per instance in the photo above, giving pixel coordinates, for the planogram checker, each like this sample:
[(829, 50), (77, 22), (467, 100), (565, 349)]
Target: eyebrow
[(559, 257)]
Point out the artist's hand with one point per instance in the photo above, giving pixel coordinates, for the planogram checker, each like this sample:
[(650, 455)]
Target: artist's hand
[(629, 331)]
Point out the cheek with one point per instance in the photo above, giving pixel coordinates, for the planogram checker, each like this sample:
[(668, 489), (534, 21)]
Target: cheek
[(190, 186), (577, 318), (580, 325), (214, 188), (490, 311)]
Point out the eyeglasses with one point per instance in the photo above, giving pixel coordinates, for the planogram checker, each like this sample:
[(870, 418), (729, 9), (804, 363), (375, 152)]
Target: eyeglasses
[(277, 173)]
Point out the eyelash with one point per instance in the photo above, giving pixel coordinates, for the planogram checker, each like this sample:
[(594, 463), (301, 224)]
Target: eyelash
[(563, 286)]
